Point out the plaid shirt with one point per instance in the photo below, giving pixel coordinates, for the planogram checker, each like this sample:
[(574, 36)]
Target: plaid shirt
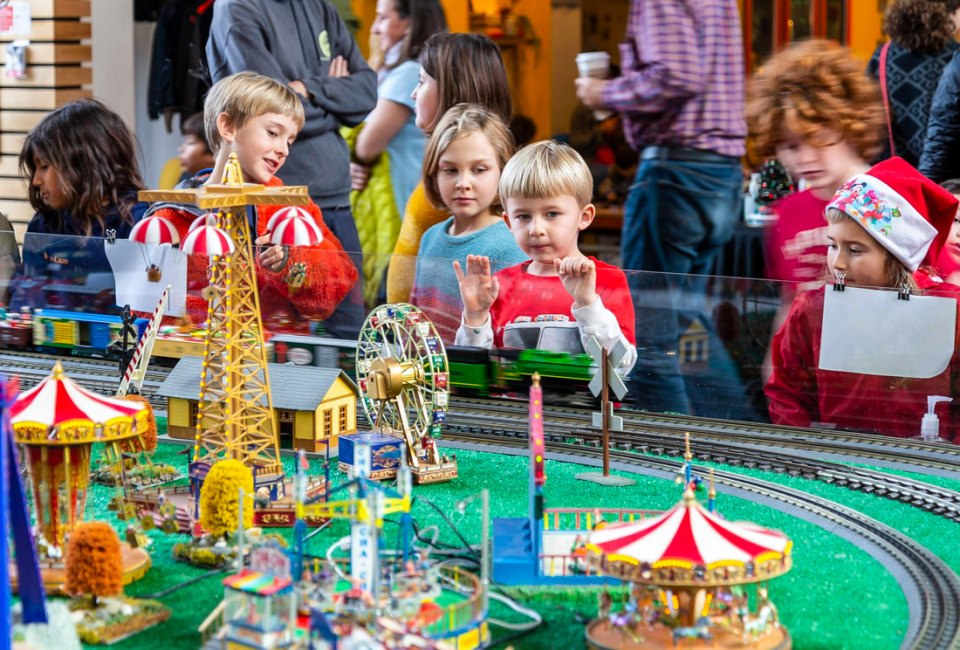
[(682, 79)]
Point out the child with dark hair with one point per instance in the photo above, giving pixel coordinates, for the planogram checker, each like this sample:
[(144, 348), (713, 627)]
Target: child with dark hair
[(81, 164), (194, 151)]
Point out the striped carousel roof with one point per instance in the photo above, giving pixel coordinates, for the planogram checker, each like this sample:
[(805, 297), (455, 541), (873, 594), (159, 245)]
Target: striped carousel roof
[(688, 536), (59, 401)]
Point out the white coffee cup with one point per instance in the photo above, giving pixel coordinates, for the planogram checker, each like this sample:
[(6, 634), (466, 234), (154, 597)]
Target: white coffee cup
[(595, 65)]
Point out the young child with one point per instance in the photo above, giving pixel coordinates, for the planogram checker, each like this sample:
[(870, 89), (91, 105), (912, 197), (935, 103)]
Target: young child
[(81, 165), (461, 170), (194, 152), (945, 258), (546, 190), (880, 226), (258, 119), (811, 108)]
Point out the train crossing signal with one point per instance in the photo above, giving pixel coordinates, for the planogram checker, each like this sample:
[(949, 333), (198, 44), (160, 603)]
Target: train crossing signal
[(613, 380)]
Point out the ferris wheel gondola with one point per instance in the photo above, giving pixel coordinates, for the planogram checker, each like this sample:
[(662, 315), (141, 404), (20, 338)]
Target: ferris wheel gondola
[(402, 374)]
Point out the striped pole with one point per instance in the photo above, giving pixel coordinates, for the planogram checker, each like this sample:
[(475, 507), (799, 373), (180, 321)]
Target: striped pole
[(144, 349)]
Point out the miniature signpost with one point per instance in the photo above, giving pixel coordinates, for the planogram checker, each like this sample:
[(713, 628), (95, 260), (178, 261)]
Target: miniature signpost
[(603, 381)]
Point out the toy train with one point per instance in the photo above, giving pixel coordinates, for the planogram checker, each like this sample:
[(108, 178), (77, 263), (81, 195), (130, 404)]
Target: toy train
[(472, 371), (66, 332)]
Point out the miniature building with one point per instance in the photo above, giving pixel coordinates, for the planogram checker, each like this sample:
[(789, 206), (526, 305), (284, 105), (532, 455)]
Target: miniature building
[(313, 406), (695, 344)]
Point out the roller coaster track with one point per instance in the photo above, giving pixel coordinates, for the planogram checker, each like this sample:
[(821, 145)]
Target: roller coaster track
[(930, 585)]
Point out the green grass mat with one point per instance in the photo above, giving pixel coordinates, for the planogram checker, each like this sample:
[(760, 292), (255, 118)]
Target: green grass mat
[(821, 600)]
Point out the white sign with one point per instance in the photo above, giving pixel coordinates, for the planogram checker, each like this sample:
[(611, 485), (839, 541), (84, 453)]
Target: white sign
[(15, 18), (873, 332), (130, 262)]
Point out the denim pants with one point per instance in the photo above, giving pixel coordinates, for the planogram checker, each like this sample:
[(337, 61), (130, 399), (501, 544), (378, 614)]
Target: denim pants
[(678, 215), (347, 319)]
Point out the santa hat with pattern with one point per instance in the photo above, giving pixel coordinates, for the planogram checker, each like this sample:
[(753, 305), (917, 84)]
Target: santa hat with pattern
[(901, 208)]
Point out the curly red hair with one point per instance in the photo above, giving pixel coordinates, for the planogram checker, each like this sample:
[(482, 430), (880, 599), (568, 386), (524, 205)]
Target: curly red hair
[(811, 86)]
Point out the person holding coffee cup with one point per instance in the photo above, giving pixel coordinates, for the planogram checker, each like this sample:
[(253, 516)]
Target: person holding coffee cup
[(680, 94)]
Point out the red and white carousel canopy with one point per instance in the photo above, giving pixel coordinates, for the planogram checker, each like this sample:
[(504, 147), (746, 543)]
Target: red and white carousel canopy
[(688, 536), (59, 404)]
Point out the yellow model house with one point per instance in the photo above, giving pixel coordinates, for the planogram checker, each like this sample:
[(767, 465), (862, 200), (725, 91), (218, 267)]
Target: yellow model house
[(312, 407)]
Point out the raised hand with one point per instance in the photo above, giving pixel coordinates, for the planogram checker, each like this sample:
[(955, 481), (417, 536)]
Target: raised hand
[(579, 277), (478, 289)]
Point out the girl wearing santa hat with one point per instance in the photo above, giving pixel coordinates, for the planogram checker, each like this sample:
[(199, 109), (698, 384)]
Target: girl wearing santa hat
[(880, 225)]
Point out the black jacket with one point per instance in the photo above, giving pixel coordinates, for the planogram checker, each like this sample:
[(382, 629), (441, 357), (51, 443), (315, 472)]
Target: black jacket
[(941, 148)]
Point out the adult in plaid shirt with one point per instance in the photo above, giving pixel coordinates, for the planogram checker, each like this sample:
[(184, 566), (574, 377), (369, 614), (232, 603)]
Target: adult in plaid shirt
[(681, 97)]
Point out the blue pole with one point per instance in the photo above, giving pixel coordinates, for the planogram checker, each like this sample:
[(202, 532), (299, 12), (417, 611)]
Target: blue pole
[(13, 506)]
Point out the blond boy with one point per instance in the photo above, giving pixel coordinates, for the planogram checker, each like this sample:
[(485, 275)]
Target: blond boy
[(546, 190)]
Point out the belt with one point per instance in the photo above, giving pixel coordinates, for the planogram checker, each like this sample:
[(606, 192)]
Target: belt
[(686, 154)]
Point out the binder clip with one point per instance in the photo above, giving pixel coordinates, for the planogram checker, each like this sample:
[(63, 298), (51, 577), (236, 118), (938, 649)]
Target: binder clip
[(839, 285), (903, 293)]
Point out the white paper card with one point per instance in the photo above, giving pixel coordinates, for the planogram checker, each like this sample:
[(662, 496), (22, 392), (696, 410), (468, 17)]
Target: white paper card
[(15, 18), (129, 261), (873, 332)]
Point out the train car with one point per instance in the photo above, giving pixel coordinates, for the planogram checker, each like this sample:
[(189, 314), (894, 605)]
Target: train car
[(318, 351), (82, 334)]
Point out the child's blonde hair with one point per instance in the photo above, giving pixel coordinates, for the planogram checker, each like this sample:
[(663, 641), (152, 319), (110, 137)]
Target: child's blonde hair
[(244, 96), (897, 274), (810, 86), (460, 121), (547, 169)]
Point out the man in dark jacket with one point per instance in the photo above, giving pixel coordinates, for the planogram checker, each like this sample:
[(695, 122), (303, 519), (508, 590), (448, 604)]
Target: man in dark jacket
[(305, 44), (940, 160)]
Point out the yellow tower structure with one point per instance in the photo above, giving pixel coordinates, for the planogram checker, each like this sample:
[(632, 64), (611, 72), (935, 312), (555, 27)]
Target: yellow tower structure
[(235, 418)]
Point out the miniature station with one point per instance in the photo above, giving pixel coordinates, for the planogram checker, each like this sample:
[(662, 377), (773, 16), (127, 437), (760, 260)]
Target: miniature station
[(686, 571)]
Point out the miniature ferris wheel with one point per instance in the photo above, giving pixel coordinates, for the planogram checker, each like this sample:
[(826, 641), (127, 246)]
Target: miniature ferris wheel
[(402, 374)]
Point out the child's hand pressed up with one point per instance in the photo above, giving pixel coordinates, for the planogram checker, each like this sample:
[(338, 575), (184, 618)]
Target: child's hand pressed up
[(478, 289), (579, 277)]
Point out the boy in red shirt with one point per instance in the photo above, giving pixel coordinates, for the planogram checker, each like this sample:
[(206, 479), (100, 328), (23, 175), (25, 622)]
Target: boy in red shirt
[(546, 190)]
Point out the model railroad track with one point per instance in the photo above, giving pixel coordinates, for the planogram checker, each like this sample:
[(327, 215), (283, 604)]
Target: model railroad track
[(923, 495), (866, 448), (931, 586), (100, 375)]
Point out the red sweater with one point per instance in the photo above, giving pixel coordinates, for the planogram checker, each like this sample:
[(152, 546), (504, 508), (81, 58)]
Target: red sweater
[(797, 242), (523, 294), (329, 275)]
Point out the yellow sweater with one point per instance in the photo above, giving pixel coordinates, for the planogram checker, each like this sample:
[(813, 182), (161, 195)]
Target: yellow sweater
[(418, 216)]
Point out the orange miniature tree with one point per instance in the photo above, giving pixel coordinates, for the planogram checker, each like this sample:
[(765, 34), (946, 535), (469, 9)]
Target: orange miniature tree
[(149, 437), (219, 497), (93, 561)]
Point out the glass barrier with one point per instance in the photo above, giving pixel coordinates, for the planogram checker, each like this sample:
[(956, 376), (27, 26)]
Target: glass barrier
[(708, 346)]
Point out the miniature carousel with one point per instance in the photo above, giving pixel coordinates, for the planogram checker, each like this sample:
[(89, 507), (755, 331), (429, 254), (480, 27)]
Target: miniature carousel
[(56, 423), (688, 567)]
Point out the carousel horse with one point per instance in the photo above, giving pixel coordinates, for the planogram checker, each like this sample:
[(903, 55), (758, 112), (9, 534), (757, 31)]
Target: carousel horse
[(701, 630), (754, 627)]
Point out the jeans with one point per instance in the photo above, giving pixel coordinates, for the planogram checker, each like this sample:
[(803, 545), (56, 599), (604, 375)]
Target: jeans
[(347, 319), (678, 214)]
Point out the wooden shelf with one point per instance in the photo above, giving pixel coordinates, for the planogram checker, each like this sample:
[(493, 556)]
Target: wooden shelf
[(44, 76)]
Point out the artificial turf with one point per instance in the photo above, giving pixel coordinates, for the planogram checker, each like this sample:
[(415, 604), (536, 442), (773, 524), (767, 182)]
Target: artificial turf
[(836, 596)]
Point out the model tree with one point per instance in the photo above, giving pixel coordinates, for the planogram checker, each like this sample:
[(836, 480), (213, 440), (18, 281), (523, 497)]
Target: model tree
[(219, 497), (93, 561), (148, 439), (775, 183)]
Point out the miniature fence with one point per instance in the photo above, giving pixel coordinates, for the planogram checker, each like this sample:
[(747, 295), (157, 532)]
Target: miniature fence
[(212, 624), (571, 519), (460, 616)]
